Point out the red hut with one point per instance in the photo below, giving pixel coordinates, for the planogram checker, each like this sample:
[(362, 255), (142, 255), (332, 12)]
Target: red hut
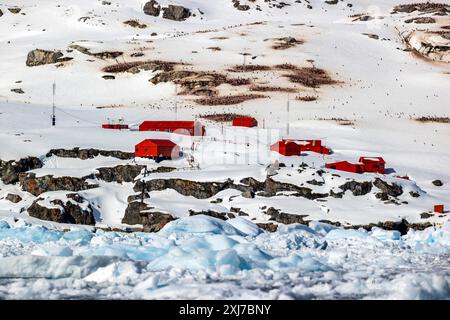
[(157, 148), (346, 166), (248, 122), (373, 164), (286, 148), (313, 146), (439, 208), (193, 128)]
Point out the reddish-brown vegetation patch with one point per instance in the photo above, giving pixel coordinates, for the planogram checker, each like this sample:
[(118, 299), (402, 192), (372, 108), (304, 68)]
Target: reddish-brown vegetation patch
[(428, 7), (150, 65), (286, 66), (306, 98), (271, 89), (310, 77), (222, 117), (238, 81), (433, 119), (228, 100), (135, 24), (248, 68)]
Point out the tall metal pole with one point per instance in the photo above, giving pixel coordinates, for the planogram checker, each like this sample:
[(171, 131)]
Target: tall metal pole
[(53, 105), (288, 110), (176, 101)]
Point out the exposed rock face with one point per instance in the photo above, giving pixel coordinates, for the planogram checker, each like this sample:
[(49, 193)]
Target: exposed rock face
[(270, 227), (84, 154), (171, 76), (1, 12), (285, 218), (393, 190), (138, 213), (14, 10), (39, 57), (214, 214), (331, 1), (176, 13), (37, 185), (10, 170), (242, 7), (437, 183), (100, 55), (152, 8), (357, 188), (421, 20), (14, 198), (121, 173), (65, 212)]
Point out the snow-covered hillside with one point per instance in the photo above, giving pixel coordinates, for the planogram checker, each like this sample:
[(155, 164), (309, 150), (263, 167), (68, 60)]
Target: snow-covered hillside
[(368, 78)]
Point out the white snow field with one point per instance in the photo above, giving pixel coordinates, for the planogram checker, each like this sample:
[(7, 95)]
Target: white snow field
[(383, 81)]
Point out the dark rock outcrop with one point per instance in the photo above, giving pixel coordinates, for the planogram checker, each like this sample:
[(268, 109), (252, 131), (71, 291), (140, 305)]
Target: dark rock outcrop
[(437, 183), (39, 57), (1, 12), (121, 173), (10, 170), (138, 213), (65, 212), (285, 218), (357, 188), (394, 190), (38, 185), (99, 55), (14, 10), (331, 1), (176, 13), (84, 154), (214, 214), (14, 198), (152, 8), (270, 227)]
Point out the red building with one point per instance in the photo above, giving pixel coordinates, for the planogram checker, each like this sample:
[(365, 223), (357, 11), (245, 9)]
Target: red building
[(346, 166), (245, 122), (115, 126), (193, 128), (373, 164), (313, 146), (286, 148), (439, 208), (157, 148)]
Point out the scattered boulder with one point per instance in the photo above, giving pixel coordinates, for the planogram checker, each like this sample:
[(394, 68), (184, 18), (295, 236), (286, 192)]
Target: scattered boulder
[(270, 227), (393, 189), (357, 188), (38, 185), (176, 13), (249, 194), (69, 211), (108, 77), (14, 10), (120, 173), (10, 170), (421, 20), (100, 55), (14, 198), (1, 12), (17, 90), (331, 1), (426, 215), (152, 8), (214, 214), (414, 194), (138, 213), (39, 57), (437, 183)]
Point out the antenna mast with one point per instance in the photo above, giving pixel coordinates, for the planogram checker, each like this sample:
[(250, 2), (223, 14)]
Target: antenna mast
[(53, 105), (288, 110)]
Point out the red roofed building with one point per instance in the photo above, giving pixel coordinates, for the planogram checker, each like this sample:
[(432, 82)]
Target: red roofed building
[(313, 146), (115, 126), (193, 128), (373, 164), (346, 166), (245, 122), (286, 148), (157, 148)]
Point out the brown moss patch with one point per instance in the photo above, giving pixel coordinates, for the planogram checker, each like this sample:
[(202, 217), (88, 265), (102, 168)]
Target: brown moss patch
[(306, 98), (222, 117), (135, 24), (228, 100), (311, 77), (248, 68), (271, 89), (433, 119)]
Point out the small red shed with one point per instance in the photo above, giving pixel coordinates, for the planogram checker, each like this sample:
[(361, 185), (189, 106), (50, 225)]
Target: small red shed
[(193, 128), (439, 208), (286, 148), (373, 164), (314, 146), (346, 166), (157, 148), (248, 122)]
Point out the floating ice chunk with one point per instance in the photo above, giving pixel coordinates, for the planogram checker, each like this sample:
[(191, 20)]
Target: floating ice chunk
[(419, 286), (321, 228), (337, 234), (81, 236), (245, 226), (4, 225), (53, 251), (213, 242), (384, 235), (37, 234), (119, 272), (199, 224)]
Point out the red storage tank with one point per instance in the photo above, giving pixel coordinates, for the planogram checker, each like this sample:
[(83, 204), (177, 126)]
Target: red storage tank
[(193, 128), (157, 148), (286, 148), (245, 122)]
